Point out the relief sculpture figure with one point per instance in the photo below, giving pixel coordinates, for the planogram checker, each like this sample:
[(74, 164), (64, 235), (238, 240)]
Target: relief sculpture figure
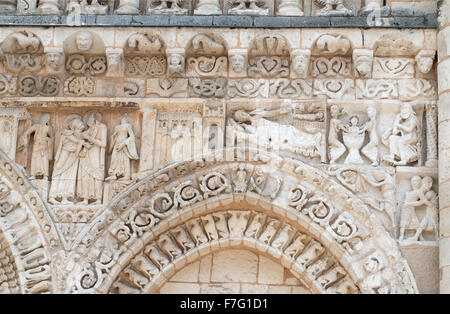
[(270, 135), (403, 138), (66, 163), (123, 149), (42, 151), (92, 162)]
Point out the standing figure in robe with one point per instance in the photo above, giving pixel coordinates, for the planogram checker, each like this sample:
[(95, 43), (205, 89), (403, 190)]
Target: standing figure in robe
[(67, 158), (42, 151), (91, 172), (123, 149)]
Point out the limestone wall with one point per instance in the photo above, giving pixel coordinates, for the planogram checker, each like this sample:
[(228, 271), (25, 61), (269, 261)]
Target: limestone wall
[(233, 160)]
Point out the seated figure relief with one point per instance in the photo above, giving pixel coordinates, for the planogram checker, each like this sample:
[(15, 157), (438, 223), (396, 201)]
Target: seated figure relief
[(403, 139)]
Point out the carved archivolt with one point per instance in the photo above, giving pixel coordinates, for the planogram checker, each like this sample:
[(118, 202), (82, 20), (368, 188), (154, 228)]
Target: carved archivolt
[(26, 234), (183, 209)]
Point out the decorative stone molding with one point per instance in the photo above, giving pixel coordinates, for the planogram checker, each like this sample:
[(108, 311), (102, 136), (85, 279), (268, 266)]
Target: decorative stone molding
[(347, 234)]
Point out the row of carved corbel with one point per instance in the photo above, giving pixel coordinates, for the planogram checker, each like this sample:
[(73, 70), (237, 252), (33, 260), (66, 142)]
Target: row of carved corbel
[(179, 7)]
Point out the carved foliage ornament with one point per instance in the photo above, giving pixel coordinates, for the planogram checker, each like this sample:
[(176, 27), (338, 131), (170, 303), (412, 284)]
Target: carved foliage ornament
[(82, 65), (39, 85)]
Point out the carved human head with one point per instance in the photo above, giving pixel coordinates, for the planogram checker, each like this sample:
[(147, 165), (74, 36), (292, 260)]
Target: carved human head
[(241, 116), (372, 265), (363, 65), (371, 112), (416, 182), (300, 64), (406, 111), (354, 120), (427, 183), (124, 119), (92, 117), (425, 60), (54, 60), (45, 118), (84, 41), (237, 62), (334, 110), (175, 59), (176, 63)]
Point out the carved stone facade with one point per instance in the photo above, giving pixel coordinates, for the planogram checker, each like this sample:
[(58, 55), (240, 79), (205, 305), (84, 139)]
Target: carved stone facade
[(133, 155)]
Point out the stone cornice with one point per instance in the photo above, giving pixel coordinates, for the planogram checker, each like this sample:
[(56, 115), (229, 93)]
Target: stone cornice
[(417, 22)]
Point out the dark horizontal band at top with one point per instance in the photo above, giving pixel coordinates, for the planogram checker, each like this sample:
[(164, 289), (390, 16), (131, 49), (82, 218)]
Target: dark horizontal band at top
[(425, 21)]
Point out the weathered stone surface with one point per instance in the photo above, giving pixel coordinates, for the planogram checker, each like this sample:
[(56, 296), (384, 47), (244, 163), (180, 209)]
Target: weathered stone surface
[(254, 152)]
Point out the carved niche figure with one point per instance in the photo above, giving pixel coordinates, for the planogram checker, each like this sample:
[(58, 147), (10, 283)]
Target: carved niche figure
[(66, 163), (403, 139), (290, 8), (23, 52), (208, 7), (54, 58), (335, 147), (123, 149), (425, 60), (181, 141), (6, 134), (169, 7), (42, 151), (128, 7), (91, 170), (300, 62), (332, 7), (248, 7)]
